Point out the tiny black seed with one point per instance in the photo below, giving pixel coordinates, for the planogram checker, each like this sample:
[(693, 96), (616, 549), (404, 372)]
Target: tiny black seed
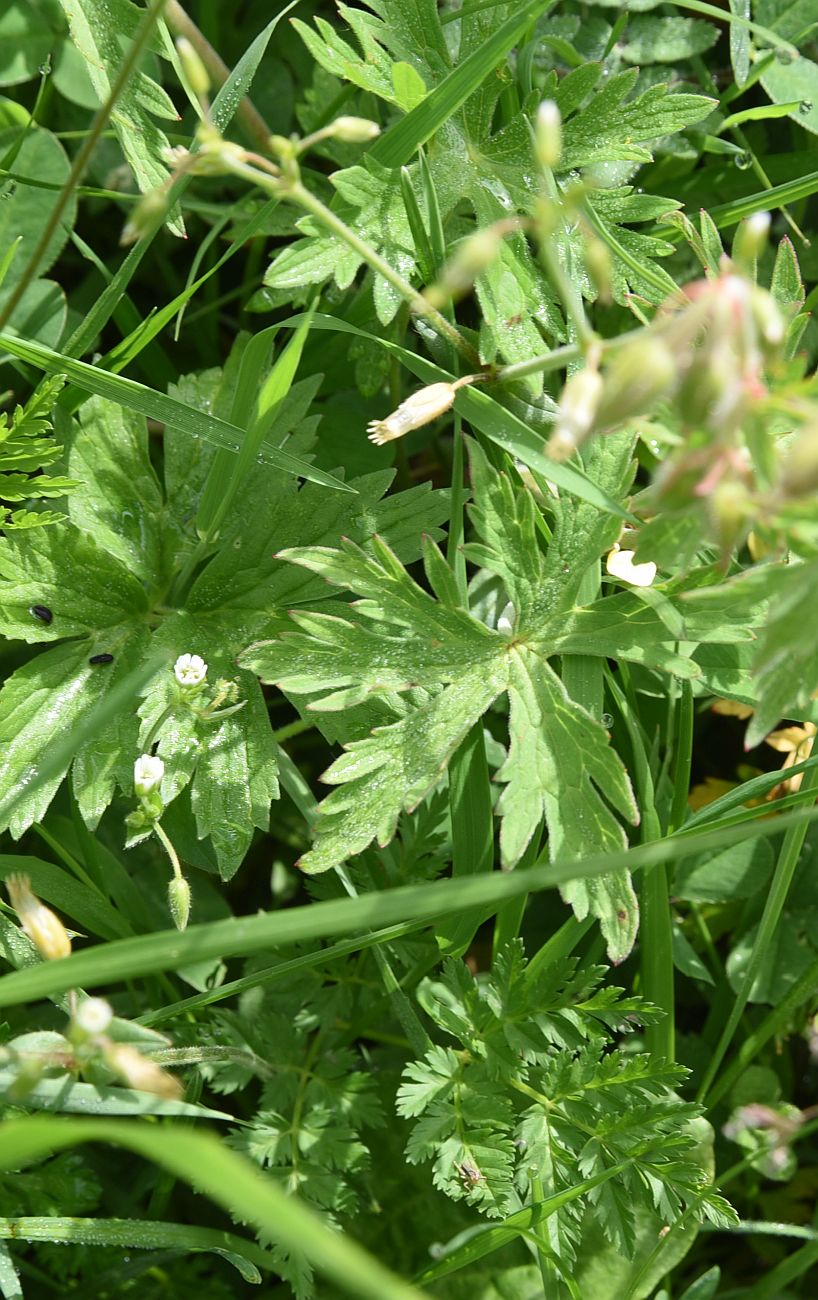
[(42, 612), (101, 659)]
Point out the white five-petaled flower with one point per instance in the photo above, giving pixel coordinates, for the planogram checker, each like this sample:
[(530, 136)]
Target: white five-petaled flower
[(190, 670), (147, 773), (93, 1015), (620, 564)]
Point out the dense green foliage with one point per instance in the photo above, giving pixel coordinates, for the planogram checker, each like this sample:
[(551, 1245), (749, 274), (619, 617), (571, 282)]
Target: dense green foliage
[(525, 1005)]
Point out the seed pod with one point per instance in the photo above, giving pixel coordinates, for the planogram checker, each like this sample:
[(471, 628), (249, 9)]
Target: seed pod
[(179, 901), (138, 1072)]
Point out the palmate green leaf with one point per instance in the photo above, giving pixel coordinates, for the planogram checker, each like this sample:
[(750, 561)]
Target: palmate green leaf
[(612, 127), (97, 29), (119, 501), (37, 704), (26, 209), (86, 589), (560, 766), (666, 40), (451, 668)]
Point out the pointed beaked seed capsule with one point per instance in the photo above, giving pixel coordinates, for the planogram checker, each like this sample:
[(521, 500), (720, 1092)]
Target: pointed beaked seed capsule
[(147, 774), (577, 412), (548, 133), (179, 901), (190, 670), (193, 68), (93, 1016), (621, 564), (140, 1073), (420, 408), (354, 130), (637, 377), (43, 927)]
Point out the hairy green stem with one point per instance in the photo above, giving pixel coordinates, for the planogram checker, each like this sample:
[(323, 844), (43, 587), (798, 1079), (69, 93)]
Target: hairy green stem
[(167, 845)]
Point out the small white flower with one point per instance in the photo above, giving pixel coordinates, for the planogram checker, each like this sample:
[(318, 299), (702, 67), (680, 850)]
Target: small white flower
[(94, 1015), (620, 564), (420, 408), (190, 670), (147, 773), (43, 927)]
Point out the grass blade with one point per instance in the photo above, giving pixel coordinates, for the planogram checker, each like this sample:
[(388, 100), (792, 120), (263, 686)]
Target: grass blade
[(161, 407), (228, 1180)]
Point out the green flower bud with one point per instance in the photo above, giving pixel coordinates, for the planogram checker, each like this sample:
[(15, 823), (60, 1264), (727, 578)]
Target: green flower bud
[(548, 134), (179, 901), (799, 473), (354, 130), (579, 404), (751, 238), (193, 68), (638, 376), (712, 386), (148, 213), (472, 257), (731, 511)]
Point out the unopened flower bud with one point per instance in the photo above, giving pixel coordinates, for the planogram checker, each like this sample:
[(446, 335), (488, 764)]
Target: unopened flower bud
[(472, 257), (147, 774), (548, 133), (190, 670), (93, 1016), (731, 511), (769, 322), (193, 68), (638, 376), (151, 209), (799, 474), (179, 901), (43, 927), (577, 412), (420, 408), (138, 1072), (354, 130), (620, 564), (711, 389), (751, 238), (600, 266)]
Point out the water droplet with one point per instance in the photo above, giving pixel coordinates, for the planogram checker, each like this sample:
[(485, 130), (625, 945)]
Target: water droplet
[(805, 106), (743, 161), (607, 720)]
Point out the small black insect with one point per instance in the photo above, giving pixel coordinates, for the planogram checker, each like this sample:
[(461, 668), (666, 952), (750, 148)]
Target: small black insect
[(101, 659), (42, 612)]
